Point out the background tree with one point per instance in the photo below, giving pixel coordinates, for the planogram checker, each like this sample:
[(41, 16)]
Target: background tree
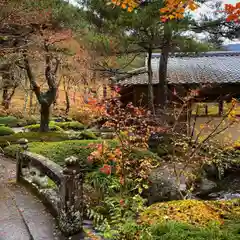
[(141, 31), (11, 76), (31, 29)]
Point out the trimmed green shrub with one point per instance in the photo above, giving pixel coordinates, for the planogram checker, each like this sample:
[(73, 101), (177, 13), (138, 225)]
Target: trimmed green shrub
[(36, 127), (33, 137), (9, 121), (5, 131), (70, 125), (58, 151)]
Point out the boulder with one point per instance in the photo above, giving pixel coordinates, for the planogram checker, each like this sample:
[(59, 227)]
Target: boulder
[(164, 184), (210, 171), (205, 187)]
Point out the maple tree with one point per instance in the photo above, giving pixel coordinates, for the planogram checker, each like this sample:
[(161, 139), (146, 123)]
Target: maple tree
[(233, 12), (173, 9)]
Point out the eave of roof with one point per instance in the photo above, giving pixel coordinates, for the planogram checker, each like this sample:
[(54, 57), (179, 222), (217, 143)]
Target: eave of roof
[(210, 67)]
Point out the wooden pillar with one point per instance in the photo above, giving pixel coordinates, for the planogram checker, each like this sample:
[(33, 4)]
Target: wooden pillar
[(71, 197), (220, 107), (206, 109)]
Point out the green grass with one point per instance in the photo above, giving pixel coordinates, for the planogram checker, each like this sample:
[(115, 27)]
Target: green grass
[(59, 151)]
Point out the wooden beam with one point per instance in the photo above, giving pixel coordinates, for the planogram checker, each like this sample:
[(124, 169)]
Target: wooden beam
[(220, 107)]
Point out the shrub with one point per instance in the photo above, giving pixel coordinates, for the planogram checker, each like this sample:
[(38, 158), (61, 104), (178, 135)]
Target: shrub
[(70, 125), (5, 131), (87, 113), (33, 137), (58, 151), (36, 127), (9, 121)]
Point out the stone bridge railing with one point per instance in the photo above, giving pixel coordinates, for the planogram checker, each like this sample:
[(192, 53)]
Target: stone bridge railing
[(65, 199)]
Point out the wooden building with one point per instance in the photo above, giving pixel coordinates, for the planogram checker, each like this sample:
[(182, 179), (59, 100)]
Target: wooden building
[(215, 76)]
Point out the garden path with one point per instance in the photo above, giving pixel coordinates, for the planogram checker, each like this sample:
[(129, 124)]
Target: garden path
[(22, 215)]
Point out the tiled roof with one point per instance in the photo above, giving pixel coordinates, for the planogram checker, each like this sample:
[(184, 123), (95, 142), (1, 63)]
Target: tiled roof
[(210, 67)]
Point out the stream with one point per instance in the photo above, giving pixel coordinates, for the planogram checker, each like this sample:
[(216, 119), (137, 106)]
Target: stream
[(228, 188)]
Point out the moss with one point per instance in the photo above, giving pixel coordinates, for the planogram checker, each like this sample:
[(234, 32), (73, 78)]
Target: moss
[(58, 151), (88, 135), (36, 127), (5, 131), (9, 121), (33, 137), (70, 125), (194, 212)]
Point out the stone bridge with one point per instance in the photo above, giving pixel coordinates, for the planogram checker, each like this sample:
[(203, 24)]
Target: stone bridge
[(23, 216)]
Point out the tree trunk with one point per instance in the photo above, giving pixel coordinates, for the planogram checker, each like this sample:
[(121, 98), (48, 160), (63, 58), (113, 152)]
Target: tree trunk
[(7, 97), (162, 71), (150, 84), (26, 95), (57, 94), (67, 102), (31, 102), (5, 102), (45, 115)]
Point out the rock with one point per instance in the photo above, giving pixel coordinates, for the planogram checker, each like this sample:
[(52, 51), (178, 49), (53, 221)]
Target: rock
[(163, 184), (107, 129), (210, 171), (205, 187), (107, 135)]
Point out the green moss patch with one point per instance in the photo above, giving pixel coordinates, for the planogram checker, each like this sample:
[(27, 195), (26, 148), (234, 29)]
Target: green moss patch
[(70, 125), (36, 127), (9, 121), (58, 151), (33, 137), (88, 135), (5, 131)]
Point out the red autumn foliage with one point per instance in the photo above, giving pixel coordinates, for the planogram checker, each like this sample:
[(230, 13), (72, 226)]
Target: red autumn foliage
[(233, 12), (106, 169)]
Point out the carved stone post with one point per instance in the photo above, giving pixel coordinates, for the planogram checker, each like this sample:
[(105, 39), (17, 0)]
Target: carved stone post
[(23, 147), (71, 197)]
